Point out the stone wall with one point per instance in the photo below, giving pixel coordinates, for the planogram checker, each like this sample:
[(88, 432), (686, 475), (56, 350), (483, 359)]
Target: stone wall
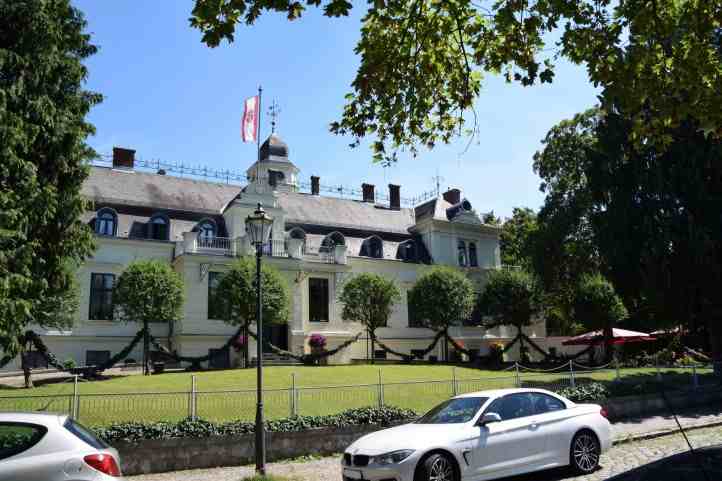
[(157, 456)]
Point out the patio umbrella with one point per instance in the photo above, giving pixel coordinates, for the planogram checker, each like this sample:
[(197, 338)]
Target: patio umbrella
[(619, 336)]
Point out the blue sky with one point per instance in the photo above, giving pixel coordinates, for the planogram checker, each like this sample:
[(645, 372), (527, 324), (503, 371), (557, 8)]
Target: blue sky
[(172, 98)]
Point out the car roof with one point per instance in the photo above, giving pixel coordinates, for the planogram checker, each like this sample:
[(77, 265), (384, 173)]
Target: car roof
[(494, 393), (45, 419)]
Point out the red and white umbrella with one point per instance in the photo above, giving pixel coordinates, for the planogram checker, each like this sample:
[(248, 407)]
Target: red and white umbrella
[(619, 336)]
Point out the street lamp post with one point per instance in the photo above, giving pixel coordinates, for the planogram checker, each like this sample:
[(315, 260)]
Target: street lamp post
[(258, 229)]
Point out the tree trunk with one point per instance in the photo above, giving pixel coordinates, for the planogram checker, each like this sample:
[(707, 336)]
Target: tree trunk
[(373, 347), (146, 350), (522, 354), (715, 338), (26, 370), (246, 347), (608, 338)]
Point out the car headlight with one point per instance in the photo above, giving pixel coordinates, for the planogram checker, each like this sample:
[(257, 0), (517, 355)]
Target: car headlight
[(393, 457)]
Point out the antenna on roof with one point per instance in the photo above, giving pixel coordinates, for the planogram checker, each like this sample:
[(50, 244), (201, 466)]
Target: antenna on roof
[(437, 179), (274, 110)]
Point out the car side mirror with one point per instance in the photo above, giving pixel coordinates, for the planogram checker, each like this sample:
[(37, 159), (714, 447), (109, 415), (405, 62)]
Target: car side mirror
[(488, 418)]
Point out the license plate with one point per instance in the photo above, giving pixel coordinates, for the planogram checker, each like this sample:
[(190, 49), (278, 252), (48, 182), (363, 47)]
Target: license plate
[(352, 474)]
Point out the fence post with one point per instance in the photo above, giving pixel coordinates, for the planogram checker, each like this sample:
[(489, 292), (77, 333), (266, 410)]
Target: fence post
[(659, 372), (76, 399), (194, 409), (294, 399), (454, 390), (518, 379), (695, 379), (381, 391), (572, 382)]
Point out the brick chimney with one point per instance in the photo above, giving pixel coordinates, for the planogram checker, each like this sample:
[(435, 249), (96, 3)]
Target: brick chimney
[(123, 158), (315, 184), (395, 196), (452, 196), (368, 192)]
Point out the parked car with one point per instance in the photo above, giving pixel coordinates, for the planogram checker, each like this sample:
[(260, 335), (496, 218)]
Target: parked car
[(51, 447), (703, 464), (484, 435)]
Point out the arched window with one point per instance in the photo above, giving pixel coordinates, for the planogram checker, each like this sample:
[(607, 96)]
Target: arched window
[(372, 247), (158, 227), (473, 261), (407, 251), (206, 229), (300, 234), (332, 240), (462, 253), (106, 222)]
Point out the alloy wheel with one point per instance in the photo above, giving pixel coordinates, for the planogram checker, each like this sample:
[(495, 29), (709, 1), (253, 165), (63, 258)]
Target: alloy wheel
[(441, 470), (585, 452)]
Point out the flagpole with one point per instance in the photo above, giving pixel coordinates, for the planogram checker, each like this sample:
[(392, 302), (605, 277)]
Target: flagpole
[(258, 135)]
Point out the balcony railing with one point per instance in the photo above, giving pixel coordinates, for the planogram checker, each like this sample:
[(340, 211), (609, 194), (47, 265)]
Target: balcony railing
[(225, 246), (214, 243)]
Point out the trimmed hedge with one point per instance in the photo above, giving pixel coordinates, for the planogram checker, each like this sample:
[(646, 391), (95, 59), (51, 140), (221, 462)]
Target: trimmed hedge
[(130, 432)]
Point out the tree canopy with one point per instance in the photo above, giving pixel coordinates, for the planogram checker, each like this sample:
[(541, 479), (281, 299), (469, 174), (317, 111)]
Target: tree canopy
[(516, 236), (43, 162), (369, 299), (442, 297), (237, 292), (597, 305), (148, 291), (509, 297), (421, 61)]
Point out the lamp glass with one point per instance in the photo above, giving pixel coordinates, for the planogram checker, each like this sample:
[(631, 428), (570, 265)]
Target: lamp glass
[(258, 226)]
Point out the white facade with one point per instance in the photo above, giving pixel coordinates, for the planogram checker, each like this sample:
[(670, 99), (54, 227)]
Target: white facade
[(206, 232)]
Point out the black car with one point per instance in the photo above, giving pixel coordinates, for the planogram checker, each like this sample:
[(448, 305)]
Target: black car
[(703, 464)]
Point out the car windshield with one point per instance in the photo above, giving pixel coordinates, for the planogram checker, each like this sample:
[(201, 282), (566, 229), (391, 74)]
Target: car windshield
[(453, 411)]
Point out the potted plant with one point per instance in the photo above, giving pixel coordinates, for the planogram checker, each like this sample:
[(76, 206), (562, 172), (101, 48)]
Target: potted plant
[(317, 342)]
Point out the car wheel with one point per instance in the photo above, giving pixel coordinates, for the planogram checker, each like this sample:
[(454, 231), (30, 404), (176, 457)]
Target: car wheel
[(585, 451), (437, 467)]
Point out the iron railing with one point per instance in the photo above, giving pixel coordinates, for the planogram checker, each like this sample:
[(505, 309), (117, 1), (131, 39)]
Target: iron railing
[(107, 408)]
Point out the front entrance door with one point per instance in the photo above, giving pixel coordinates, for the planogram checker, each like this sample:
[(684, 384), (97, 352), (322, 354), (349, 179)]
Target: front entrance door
[(219, 358), (276, 334)]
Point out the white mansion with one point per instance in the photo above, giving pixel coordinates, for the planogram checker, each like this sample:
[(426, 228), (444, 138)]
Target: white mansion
[(317, 243)]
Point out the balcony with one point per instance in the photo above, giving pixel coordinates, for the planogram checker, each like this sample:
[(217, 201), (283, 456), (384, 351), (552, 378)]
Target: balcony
[(192, 243)]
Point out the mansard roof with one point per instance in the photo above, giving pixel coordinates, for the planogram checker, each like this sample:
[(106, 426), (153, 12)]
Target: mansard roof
[(143, 189), (106, 186), (318, 210)]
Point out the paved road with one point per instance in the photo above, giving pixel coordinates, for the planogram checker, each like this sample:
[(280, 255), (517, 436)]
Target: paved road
[(620, 458)]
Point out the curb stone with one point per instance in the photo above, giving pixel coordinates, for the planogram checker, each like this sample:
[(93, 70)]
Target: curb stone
[(662, 432)]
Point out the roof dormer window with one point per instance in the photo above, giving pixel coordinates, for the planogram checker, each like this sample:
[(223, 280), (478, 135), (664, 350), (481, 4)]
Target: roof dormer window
[(106, 222), (372, 247), (158, 227)]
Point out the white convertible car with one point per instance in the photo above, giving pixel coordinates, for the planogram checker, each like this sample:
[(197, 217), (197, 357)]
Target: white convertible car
[(484, 435)]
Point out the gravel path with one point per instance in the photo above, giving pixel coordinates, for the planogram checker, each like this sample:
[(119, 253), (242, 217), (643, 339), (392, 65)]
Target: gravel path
[(619, 459)]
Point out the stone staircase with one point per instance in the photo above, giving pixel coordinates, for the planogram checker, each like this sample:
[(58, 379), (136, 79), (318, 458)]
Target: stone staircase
[(273, 359)]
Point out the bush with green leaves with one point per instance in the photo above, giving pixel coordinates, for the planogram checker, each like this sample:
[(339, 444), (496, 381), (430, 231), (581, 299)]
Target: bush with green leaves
[(148, 291), (70, 363), (130, 432), (584, 393), (441, 298)]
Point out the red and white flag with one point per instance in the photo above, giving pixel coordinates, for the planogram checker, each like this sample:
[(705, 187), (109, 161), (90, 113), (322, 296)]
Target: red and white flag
[(249, 124)]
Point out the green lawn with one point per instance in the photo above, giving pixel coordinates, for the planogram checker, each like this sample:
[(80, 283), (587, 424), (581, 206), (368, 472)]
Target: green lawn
[(115, 399)]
